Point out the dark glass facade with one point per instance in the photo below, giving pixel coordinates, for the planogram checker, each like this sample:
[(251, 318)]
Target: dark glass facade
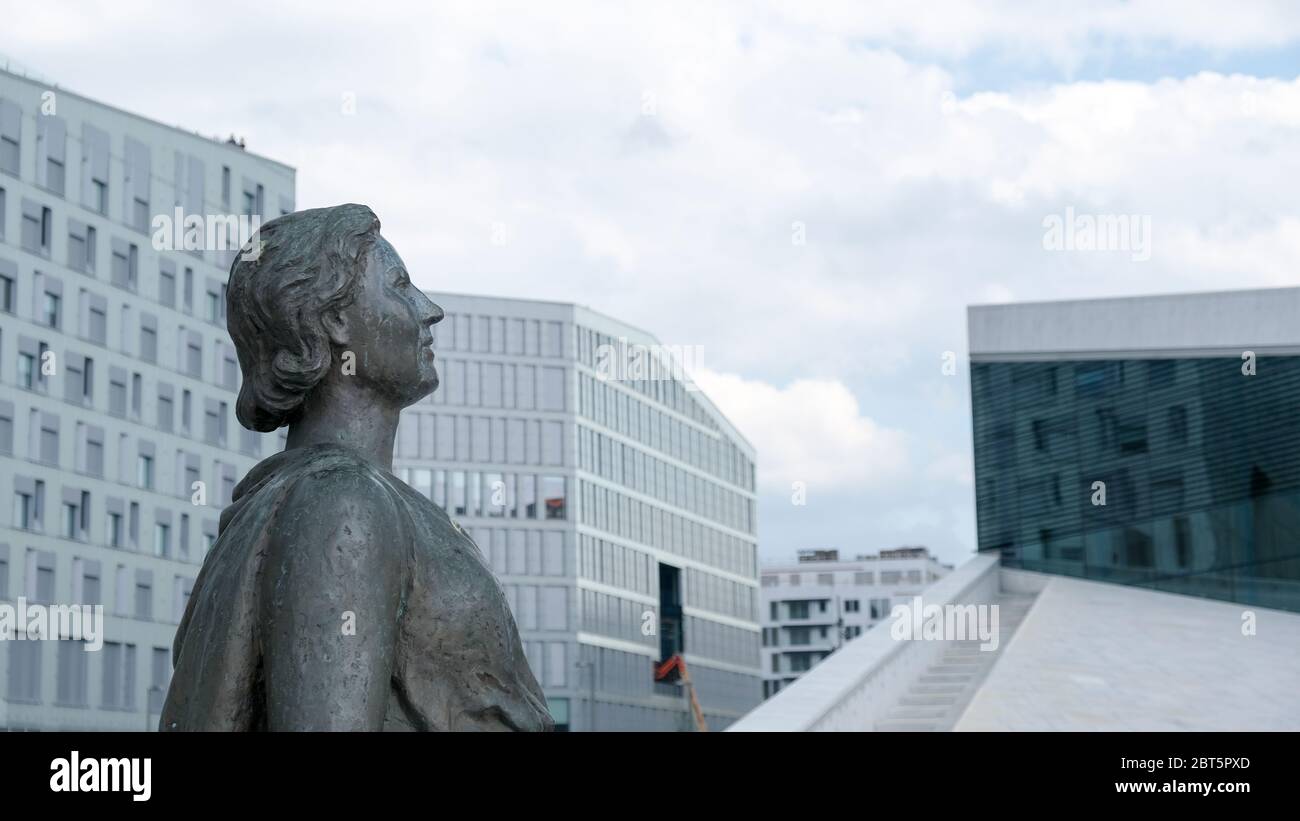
[(1199, 465)]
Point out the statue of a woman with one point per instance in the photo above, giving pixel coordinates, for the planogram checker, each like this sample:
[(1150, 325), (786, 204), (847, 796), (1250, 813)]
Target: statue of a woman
[(336, 597)]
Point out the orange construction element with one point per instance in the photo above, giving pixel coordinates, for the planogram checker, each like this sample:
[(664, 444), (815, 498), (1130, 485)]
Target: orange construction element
[(677, 664)]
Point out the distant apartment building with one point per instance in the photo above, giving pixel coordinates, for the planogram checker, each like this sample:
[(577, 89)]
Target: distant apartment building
[(615, 505), (1150, 441), (119, 383), (811, 608)]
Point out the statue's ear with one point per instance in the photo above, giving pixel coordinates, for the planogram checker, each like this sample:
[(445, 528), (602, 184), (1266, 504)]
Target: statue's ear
[(337, 326)]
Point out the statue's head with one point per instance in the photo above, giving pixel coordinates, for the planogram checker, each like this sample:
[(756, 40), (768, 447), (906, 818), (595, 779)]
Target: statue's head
[(326, 298)]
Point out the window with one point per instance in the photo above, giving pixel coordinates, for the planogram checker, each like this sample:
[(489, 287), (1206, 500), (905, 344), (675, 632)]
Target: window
[(166, 285), (72, 521), (852, 605), (553, 495), (54, 175), (148, 344), (25, 669), (119, 676), (51, 309), (26, 370), (1178, 425), (144, 471), (81, 248), (91, 589), (798, 609), (552, 389), (165, 413), (24, 510), (73, 666), (6, 294), (162, 541), (10, 120), (143, 595), (114, 529), (37, 228)]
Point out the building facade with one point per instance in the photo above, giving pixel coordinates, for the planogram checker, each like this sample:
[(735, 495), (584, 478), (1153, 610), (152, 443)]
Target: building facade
[(811, 608), (615, 504), (118, 443), (1149, 441)]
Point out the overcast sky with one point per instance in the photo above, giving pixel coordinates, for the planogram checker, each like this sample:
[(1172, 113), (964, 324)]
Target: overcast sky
[(659, 162)]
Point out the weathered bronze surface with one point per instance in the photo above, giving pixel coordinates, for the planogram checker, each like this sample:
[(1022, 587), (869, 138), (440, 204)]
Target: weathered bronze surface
[(336, 597)]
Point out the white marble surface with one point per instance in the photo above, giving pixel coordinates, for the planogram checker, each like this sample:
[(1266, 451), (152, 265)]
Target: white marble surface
[(1094, 656)]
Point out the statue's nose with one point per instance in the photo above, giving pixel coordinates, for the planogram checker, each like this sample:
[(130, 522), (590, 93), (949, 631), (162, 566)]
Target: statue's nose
[(433, 314)]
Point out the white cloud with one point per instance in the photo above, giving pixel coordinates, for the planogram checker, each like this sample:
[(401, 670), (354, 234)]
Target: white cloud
[(918, 198), (811, 431)]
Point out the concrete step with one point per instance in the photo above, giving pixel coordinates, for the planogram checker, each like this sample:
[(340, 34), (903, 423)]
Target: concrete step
[(944, 700), (897, 726), (964, 658), (936, 689), (953, 669), (944, 678), (918, 713)]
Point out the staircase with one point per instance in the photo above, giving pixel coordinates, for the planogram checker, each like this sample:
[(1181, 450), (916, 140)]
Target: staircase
[(937, 698)]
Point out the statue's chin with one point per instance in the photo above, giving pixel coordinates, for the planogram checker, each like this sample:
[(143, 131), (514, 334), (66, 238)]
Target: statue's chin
[(427, 386)]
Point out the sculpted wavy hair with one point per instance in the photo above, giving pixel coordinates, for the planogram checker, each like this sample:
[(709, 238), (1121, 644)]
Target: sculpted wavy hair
[(310, 262)]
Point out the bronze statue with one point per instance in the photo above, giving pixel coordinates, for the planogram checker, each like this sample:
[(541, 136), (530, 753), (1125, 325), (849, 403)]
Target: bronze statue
[(336, 597)]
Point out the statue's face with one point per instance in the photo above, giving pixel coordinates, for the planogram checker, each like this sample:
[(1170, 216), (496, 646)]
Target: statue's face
[(391, 336)]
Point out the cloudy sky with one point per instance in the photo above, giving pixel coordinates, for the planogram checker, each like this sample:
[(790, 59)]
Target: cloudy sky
[(812, 192)]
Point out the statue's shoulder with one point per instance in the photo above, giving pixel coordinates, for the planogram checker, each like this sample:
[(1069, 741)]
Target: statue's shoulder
[(320, 483)]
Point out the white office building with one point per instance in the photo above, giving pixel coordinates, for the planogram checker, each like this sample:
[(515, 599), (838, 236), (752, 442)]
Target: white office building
[(813, 607), (614, 504), (117, 390)]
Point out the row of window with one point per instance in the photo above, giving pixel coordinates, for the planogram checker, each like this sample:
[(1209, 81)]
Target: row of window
[(125, 523), (476, 333), (636, 470), (500, 385), (820, 609), (616, 565), (117, 674), (51, 162), (36, 237), (498, 440), (613, 512), (491, 494), (670, 393), (642, 422), (860, 578), (128, 397), (141, 337), (522, 551), (133, 589)]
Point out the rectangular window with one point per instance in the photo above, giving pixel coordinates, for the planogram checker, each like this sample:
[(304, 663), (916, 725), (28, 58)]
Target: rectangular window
[(144, 471), (6, 294), (143, 595)]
